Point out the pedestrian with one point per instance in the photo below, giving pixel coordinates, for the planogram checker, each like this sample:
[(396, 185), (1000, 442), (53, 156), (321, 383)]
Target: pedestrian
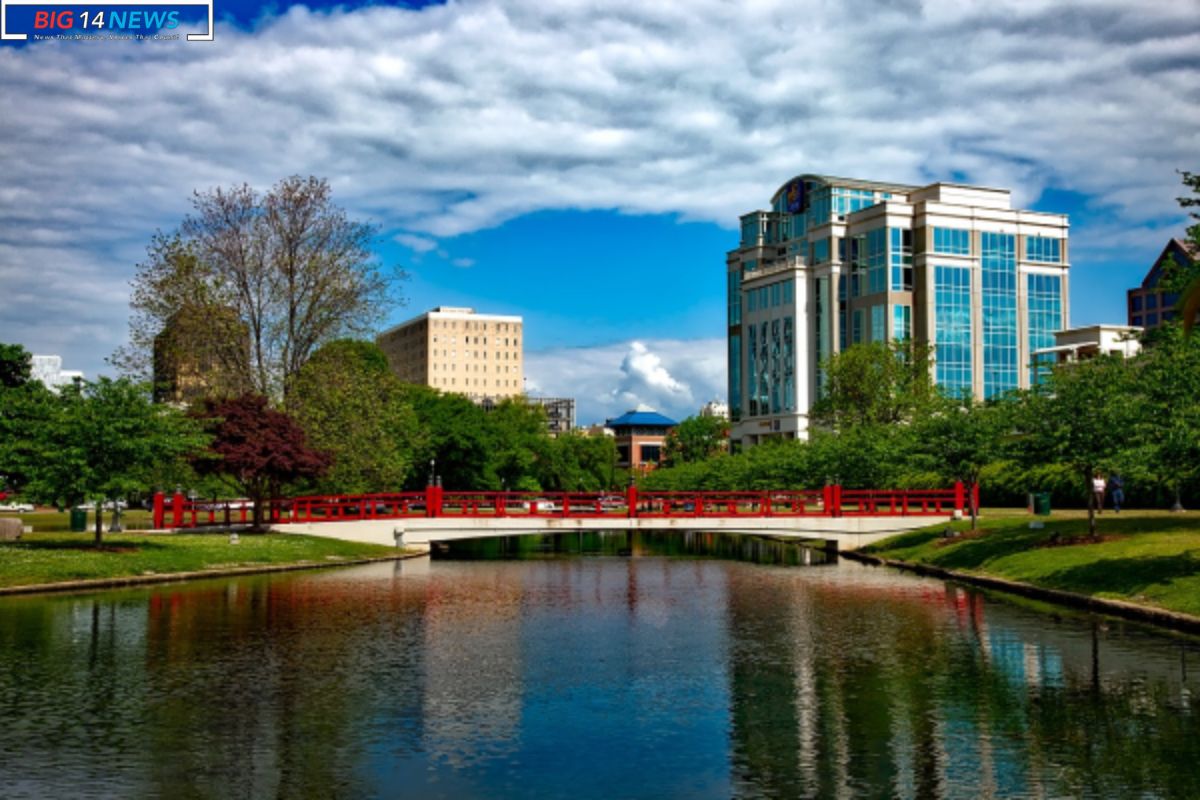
[(1117, 486), (1098, 487)]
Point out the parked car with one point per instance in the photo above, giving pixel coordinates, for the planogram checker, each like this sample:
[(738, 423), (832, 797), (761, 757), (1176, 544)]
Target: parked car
[(109, 506), (19, 508)]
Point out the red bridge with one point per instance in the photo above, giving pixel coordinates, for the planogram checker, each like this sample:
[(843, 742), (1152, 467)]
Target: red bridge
[(177, 511)]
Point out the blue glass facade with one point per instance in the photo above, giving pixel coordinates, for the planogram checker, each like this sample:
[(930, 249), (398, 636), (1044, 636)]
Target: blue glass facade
[(1043, 295), (876, 258), (952, 241), (952, 329), (999, 273), (901, 259), (1043, 250), (901, 322), (879, 323)]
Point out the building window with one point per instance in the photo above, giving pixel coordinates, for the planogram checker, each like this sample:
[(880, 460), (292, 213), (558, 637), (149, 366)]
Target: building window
[(901, 259), (735, 377), (820, 251), (1044, 305), (878, 328), (1136, 302), (999, 262), (734, 297), (952, 329), (1043, 249), (1137, 321), (901, 323), (1151, 320), (776, 295), (651, 453), (952, 241), (1151, 302), (788, 292), (856, 334), (877, 241)]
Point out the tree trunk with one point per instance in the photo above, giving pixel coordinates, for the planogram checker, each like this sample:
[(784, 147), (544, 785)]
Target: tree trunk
[(1178, 506), (99, 523), (1091, 509), (971, 505)]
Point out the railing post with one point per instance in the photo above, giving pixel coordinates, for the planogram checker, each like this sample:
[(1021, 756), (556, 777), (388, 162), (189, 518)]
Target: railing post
[(159, 511), (631, 500), (958, 497), (430, 497), (177, 509), (837, 500)]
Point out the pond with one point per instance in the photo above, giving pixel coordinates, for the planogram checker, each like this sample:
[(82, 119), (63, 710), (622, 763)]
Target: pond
[(689, 665)]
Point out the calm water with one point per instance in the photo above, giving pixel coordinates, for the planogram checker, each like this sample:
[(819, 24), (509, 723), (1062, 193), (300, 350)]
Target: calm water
[(589, 676)]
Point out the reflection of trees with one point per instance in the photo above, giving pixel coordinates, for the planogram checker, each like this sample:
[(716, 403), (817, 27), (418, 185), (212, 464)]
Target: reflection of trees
[(843, 690)]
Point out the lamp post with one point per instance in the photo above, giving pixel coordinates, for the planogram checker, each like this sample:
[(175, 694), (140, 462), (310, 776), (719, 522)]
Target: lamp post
[(432, 470)]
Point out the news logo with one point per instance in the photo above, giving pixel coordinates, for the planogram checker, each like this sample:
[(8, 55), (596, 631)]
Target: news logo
[(101, 19)]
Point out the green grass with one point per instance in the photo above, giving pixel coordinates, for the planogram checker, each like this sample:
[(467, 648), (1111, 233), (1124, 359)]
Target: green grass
[(54, 557), (1146, 557), (60, 521)]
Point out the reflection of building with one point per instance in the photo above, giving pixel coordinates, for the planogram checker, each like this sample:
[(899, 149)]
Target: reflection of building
[(560, 413), (1149, 305), (1075, 344), (201, 353), (640, 436), (48, 370), (838, 261), (458, 350)]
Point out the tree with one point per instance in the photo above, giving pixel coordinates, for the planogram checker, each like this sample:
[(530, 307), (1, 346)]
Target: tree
[(1189, 304), (25, 405), (455, 442), (257, 448), (283, 272), (1081, 416), (517, 441), (105, 440), (874, 383), (1168, 381), (961, 439), (695, 439), (351, 406)]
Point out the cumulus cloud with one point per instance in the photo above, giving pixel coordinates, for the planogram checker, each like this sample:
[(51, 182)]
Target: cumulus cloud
[(672, 376), (448, 119)]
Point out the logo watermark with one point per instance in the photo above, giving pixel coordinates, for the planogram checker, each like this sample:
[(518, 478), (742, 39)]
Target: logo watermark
[(102, 19)]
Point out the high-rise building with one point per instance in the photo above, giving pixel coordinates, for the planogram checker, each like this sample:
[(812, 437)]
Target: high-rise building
[(840, 261), (48, 370), (1151, 305), (458, 350)]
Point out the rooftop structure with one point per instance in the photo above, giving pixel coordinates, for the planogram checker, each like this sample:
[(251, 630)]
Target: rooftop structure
[(1150, 305)]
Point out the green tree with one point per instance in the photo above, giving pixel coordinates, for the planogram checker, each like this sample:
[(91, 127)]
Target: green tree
[(1189, 303), (455, 440), (874, 383), (1168, 403), (1081, 417), (695, 439), (289, 266), (351, 406), (961, 438), (25, 407), (574, 462), (517, 440), (105, 439)]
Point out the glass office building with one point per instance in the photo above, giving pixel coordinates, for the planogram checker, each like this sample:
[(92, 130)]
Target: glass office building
[(837, 261)]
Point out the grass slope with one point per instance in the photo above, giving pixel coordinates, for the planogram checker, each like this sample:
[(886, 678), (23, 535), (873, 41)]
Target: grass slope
[(1146, 557), (55, 557)]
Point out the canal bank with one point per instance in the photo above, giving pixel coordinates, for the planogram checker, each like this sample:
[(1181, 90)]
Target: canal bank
[(65, 563), (1143, 566)]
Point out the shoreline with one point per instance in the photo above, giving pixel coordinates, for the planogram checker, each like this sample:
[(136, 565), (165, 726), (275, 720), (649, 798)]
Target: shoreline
[(1174, 620), (89, 584)]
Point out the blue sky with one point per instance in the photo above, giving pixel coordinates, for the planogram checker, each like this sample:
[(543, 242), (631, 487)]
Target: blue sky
[(583, 164)]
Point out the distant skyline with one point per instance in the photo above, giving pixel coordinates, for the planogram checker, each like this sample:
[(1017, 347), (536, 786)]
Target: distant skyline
[(584, 165)]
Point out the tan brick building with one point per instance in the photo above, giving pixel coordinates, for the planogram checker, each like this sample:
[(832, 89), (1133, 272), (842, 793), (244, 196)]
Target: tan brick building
[(459, 350)]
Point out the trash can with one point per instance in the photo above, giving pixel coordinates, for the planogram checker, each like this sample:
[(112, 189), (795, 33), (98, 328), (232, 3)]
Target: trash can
[(78, 520), (1041, 503)]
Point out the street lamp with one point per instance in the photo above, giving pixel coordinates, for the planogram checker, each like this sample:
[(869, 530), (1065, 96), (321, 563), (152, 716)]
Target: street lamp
[(432, 470)]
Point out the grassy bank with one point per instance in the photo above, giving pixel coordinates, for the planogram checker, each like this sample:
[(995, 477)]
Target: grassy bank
[(54, 557), (1150, 558)]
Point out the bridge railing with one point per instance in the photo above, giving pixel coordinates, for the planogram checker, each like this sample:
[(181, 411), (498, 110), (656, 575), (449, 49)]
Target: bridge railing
[(178, 511)]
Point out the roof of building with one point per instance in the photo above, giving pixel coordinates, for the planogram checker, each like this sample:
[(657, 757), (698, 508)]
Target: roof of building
[(645, 419), (1182, 250)]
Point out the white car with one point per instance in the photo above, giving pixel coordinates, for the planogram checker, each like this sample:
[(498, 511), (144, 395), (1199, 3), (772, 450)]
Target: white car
[(20, 508)]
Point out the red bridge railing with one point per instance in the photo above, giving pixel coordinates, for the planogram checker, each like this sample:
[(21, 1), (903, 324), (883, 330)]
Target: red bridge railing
[(178, 511)]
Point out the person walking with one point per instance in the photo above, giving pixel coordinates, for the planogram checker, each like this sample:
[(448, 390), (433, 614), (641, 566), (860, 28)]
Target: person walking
[(1116, 487), (1098, 487)]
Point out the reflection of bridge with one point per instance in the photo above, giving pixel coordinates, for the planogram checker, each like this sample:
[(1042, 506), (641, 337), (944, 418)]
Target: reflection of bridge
[(848, 517)]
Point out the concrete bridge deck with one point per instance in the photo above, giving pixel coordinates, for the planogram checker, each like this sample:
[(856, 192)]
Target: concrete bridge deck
[(846, 533)]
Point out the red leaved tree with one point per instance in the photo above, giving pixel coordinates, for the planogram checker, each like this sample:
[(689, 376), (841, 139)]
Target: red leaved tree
[(257, 448)]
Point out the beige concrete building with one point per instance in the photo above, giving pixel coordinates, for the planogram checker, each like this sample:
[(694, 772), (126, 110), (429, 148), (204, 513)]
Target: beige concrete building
[(458, 350)]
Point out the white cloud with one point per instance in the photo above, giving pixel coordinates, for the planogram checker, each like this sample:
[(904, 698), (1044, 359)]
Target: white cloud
[(672, 376), (447, 119)]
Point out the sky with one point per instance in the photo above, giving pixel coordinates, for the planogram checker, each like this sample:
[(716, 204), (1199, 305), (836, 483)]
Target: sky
[(584, 164)]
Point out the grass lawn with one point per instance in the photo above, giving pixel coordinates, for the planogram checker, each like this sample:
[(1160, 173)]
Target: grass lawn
[(53, 557), (60, 521), (1145, 557)]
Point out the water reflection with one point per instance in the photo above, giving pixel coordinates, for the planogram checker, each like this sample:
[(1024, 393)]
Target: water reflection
[(587, 677)]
